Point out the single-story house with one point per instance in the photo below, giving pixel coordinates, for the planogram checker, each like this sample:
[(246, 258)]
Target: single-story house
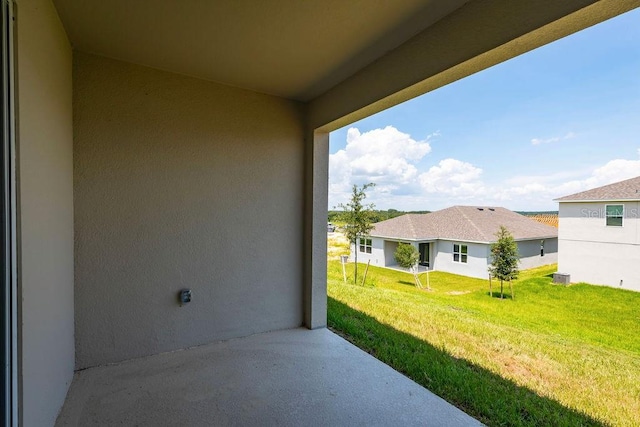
[(458, 239), (599, 235)]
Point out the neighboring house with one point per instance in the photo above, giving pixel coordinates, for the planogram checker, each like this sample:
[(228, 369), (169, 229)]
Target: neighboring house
[(458, 239), (599, 235)]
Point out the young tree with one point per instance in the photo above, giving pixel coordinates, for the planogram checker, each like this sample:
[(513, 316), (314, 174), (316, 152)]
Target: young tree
[(504, 259), (357, 218), (407, 256)]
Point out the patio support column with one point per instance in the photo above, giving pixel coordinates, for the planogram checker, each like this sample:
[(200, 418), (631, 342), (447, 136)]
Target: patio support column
[(315, 233)]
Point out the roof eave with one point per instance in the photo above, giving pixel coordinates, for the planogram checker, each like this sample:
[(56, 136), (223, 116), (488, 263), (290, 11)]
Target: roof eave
[(596, 200), (536, 238), (452, 239), (412, 239)]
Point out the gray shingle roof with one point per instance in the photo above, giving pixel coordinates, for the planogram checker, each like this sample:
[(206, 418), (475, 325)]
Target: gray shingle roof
[(628, 189), (465, 223)]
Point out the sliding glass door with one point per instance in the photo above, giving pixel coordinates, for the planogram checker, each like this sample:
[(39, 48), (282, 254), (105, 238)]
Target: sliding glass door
[(8, 288), (424, 254)]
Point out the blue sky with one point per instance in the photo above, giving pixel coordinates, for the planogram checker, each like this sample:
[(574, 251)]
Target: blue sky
[(557, 120)]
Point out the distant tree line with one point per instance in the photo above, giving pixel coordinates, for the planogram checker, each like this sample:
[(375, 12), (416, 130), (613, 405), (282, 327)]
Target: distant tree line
[(376, 215)]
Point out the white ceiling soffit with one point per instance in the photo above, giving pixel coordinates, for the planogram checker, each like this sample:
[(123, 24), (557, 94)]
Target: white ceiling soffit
[(296, 49)]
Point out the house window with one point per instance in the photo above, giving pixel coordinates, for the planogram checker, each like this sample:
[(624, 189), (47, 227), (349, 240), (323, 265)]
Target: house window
[(459, 253), (614, 215), (541, 247), (365, 245)]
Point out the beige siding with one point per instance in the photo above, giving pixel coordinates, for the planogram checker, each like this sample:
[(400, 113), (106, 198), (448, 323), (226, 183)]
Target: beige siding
[(45, 211), (182, 183)]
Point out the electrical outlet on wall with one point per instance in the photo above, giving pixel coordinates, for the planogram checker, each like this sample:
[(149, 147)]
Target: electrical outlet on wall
[(184, 296)]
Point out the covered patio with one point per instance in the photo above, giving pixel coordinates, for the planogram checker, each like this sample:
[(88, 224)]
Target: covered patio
[(155, 146)]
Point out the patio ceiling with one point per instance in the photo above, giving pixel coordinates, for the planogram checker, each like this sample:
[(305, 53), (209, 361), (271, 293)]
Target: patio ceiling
[(289, 48)]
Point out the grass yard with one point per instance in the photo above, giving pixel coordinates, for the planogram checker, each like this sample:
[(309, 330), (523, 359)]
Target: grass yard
[(553, 356)]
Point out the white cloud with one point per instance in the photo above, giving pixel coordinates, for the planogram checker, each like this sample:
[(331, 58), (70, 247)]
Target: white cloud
[(613, 171), (386, 157), (537, 192), (453, 177), (538, 141), (454, 181), (390, 158)]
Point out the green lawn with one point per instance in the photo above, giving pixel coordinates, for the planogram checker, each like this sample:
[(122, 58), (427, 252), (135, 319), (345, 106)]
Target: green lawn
[(553, 356)]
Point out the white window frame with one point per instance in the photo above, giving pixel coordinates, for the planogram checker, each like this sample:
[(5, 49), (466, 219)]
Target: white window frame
[(463, 256), (607, 216), (365, 244)]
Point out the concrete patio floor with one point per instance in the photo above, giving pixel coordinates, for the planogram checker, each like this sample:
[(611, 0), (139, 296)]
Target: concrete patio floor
[(294, 377)]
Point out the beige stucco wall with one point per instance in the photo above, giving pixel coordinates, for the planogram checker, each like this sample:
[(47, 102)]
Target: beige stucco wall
[(45, 211), (182, 183), (316, 187)]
